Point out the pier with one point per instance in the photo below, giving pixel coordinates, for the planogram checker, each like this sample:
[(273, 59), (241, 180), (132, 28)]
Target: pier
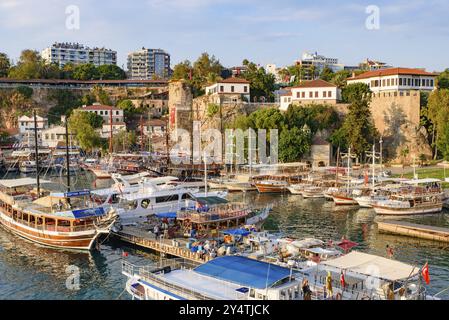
[(414, 230), (171, 247)]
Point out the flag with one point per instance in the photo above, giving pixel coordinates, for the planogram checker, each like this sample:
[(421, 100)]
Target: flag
[(425, 273), (124, 254), (342, 280)]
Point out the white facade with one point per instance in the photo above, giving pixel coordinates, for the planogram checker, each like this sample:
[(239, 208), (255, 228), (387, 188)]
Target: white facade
[(231, 86), (116, 128), (26, 124), (148, 63), (396, 79), (63, 53), (315, 91), (52, 136), (105, 112)]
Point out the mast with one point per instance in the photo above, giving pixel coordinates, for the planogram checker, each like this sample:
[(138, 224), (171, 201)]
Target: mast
[(349, 168), (374, 163), (36, 150), (67, 152), (205, 173), (110, 133), (250, 153)]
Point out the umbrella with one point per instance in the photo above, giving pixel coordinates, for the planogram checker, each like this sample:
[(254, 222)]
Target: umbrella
[(347, 245)]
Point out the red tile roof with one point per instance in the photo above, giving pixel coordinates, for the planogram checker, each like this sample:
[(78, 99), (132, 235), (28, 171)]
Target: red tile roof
[(233, 80), (100, 107), (289, 93), (315, 84), (391, 72)]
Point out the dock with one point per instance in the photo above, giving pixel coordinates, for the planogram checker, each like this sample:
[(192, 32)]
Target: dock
[(171, 247), (414, 230)]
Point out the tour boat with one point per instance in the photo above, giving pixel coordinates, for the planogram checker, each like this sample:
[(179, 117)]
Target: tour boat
[(60, 220), (240, 187), (313, 192), (344, 198), (28, 167), (362, 276), (224, 278), (271, 186), (422, 196), (100, 172), (297, 188)]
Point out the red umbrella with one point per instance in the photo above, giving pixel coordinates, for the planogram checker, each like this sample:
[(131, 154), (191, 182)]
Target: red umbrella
[(347, 245)]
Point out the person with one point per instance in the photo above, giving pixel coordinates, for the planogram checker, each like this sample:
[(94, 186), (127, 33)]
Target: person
[(329, 285), (307, 293), (390, 291), (59, 205), (390, 252), (156, 231)]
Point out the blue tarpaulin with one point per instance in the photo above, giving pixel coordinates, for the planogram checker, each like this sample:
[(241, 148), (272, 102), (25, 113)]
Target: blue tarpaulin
[(244, 271), (78, 214), (237, 232), (167, 215)]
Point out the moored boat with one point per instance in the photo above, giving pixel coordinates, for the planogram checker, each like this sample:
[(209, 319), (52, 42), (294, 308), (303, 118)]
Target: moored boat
[(271, 186)]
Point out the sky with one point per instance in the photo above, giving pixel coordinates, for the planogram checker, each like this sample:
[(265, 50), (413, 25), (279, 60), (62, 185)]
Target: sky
[(411, 33)]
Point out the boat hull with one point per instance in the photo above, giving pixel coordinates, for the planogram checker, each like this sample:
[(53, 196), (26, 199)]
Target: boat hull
[(62, 240), (344, 201), (265, 188), (424, 209)]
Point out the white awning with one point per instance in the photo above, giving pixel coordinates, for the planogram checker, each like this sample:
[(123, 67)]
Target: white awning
[(14, 183), (368, 265), (419, 181)]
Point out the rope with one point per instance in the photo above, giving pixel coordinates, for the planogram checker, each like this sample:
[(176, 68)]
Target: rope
[(124, 290)]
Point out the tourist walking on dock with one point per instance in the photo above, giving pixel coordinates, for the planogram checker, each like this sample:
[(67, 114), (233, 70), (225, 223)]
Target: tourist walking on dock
[(390, 252), (329, 288), (307, 293)]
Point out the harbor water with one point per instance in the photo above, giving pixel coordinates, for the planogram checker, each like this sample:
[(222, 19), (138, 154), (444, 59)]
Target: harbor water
[(29, 271)]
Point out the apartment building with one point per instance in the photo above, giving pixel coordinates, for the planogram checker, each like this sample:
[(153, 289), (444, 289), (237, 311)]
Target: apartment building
[(75, 53), (230, 88), (106, 112), (146, 64)]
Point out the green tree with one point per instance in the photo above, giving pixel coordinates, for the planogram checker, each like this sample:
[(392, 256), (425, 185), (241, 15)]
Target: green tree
[(29, 66), (438, 113), (327, 74), (26, 91), (101, 96), (124, 141), (111, 72), (129, 110), (64, 102), (340, 77), (5, 64), (294, 143), (358, 127), (261, 83), (80, 124), (85, 72), (443, 80), (356, 92)]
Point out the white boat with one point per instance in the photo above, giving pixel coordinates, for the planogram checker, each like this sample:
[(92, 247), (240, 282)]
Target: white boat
[(297, 188), (367, 277), (223, 278), (313, 192), (240, 187), (28, 167), (150, 196)]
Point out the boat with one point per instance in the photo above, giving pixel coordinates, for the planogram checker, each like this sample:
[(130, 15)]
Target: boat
[(271, 186), (223, 278), (343, 198), (367, 277), (297, 188), (28, 167), (313, 192), (422, 196), (59, 220), (101, 172), (240, 187)]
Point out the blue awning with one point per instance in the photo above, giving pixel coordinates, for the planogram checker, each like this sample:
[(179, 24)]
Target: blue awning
[(167, 215), (244, 271), (91, 212), (237, 232)]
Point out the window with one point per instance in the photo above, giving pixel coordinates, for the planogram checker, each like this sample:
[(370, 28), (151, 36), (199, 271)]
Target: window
[(316, 94), (221, 88), (383, 83), (388, 82), (409, 82), (297, 94), (303, 94), (431, 82), (101, 112), (186, 196), (145, 203), (310, 94), (400, 81), (245, 89), (167, 198), (324, 94), (117, 113), (329, 94), (106, 113), (232, 88)]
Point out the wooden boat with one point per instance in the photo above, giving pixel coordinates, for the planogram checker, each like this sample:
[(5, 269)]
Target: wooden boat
[(271, 186), (313, 192), (240, 187), (344, 198), (64, 221), (101, 172)]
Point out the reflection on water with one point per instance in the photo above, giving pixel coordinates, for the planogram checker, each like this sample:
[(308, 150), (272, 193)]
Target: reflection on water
[(28, 271)]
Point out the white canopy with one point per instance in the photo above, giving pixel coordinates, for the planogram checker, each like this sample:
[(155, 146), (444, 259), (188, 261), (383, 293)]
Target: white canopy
[(14, 183), (419, 181), (366, 264)]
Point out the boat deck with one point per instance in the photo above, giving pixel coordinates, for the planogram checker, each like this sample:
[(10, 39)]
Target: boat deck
[(172, 247), (414, 230)]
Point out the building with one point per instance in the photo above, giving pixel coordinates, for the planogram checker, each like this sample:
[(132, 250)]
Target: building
[(320, 151), (116, 128), (147, 64), (371, 65), (155, 127), (230, 88), (396, 80), (105, 112), (53, 136), (313, 91), (26, 124), (63, 53), (319, 62)]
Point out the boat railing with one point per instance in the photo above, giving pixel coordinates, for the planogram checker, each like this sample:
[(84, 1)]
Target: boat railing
[(150, 273)]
